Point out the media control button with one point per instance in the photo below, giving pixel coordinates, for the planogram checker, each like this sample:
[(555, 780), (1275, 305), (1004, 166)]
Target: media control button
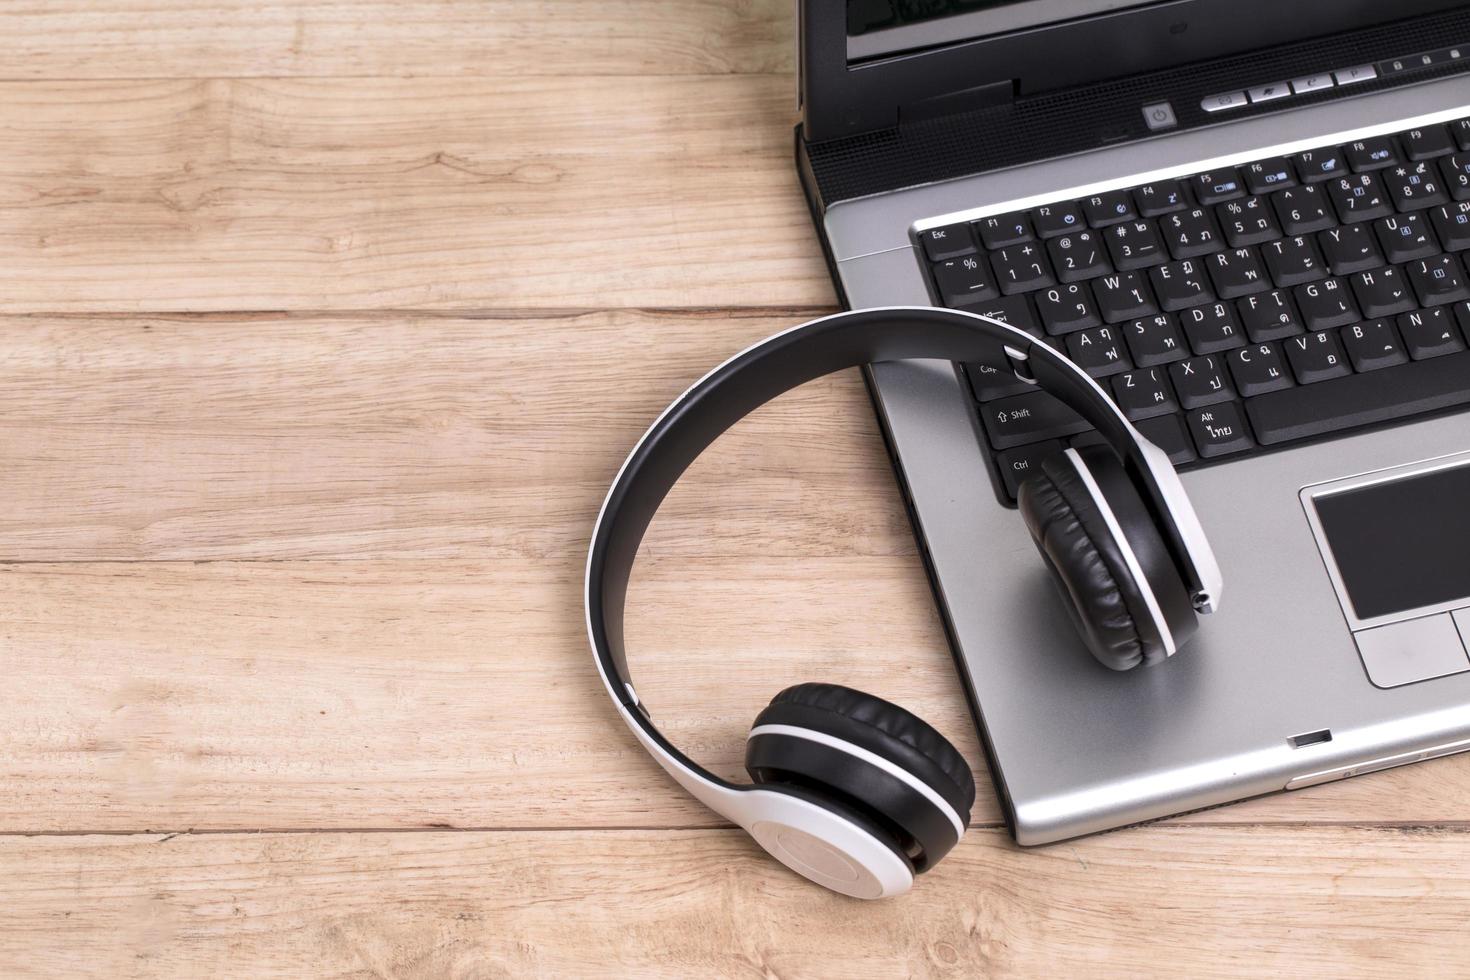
[(1311, 83), (1225, 100), (1356, 74), (1270, 92)]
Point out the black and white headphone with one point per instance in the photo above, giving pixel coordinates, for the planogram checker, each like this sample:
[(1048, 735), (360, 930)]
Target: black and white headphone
[(851, 791)]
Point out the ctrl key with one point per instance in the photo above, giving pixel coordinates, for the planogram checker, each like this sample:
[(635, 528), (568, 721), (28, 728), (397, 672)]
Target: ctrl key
[(1019, 463), (1031, 417), (1218, 430)]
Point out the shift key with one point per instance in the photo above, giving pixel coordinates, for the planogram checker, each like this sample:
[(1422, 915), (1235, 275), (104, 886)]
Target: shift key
[(1031, 417)]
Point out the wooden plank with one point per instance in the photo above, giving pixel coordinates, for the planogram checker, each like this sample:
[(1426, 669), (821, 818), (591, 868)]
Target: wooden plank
[(408, 436), (369, 193), (1198, 902), (506, 38), (402, 694)]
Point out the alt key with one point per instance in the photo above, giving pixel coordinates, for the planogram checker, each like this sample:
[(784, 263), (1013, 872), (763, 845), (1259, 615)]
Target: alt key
[(1218, 430)]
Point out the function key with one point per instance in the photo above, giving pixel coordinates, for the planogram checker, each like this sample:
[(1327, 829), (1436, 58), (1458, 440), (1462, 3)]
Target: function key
[(1323, 164), (1051, 220), (1163, 197), (965, 280), (1001, 230), (1431, 141), (1460, 130), (1218, 185), (1109, 208), (1269, 175), (1373, 153), (949, 242)]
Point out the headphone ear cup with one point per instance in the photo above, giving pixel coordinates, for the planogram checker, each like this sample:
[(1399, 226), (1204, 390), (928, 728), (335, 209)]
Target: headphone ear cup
[(1120, 585), (867, 757)]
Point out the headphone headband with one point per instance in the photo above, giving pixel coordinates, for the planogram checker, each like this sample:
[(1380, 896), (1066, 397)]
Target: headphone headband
[(806, 352)]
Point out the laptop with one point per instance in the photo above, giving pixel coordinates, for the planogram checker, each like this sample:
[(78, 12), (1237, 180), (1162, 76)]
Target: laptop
[(1250, 221)]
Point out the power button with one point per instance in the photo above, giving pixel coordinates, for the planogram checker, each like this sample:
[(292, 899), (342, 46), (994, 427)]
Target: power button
[(1159, 115)]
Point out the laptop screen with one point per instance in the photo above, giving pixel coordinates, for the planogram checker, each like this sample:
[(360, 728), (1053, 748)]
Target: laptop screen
[(878, 28)]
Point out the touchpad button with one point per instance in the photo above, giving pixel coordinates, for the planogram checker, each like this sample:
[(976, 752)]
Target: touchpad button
[(1415, 650)]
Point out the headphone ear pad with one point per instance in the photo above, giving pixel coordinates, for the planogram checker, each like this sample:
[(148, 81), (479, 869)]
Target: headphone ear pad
[(869, 757), (1111, 609)]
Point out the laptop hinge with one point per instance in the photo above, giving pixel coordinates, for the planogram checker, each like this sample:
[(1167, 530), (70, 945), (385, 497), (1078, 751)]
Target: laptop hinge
[(968, 100)]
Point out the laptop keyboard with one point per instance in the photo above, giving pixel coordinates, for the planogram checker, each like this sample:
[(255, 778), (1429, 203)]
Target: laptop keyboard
[(1236, 310)]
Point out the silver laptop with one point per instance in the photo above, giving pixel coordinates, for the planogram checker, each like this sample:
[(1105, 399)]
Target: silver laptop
[(1250, 221)]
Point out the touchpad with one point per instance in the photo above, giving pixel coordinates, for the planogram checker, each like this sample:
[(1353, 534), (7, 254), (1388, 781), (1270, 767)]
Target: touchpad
[(1397, 546)]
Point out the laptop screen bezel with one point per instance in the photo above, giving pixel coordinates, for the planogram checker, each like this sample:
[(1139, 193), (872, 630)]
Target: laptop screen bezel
[(839, 98)]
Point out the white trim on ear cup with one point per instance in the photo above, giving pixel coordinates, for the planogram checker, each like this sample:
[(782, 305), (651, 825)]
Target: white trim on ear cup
[(1130, 559), (872, 759)]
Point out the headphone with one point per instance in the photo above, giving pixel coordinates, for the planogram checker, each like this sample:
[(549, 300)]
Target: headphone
[(849, 790)]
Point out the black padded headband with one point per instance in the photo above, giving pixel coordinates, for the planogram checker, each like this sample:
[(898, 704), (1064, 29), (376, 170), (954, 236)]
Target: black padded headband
[(806, 352)]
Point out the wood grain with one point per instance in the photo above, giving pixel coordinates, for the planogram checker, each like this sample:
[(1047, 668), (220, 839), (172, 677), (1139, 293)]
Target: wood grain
[(371, 193), (1198, 902), (246, 38), (276, 437), (403, 694)]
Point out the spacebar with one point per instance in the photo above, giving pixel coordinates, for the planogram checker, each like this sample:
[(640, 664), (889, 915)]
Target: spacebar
[(1361, 399)]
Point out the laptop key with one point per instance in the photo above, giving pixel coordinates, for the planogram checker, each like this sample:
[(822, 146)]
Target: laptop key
[(1372, 345), (1293, 261), (1326, 304), (948, 242), (1405, 238), (1438, 280), (1155, 340), (1067, 308), (1182, 284), (1201, 381), (1051, 220), (1144, 393), (1218, 430), (1000, 230), (1269, 175), (994, 378), (1303, 209), (1216, 186), (1016, 465), (1452, 223), (1431, 333), (1351, 248), (1382, 292), (1316, 357), (1078, 256), (1167, 432), (1248, 221), (1015, 310), (1123, 296), (1237, 273), (1162, 197), (1269, 316), (1430, 141), (1136, 244), (1361, 399), (1258, 369), (1022, 268), (1460, 133), (1373, 153), (1032, 417), (964, 281), (1191, 233), (1456, 172), (1109, 208), (1099, 351), (1360, 197), (1319, 165), (1415, 186), (1212, 328)]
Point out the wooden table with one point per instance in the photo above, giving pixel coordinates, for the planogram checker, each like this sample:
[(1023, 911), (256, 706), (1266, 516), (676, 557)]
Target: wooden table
[(325, 326)]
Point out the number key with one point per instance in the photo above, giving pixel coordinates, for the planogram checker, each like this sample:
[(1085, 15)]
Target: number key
[(1302, 209), (1135, 244), (1021, 268), (1078, 256)]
